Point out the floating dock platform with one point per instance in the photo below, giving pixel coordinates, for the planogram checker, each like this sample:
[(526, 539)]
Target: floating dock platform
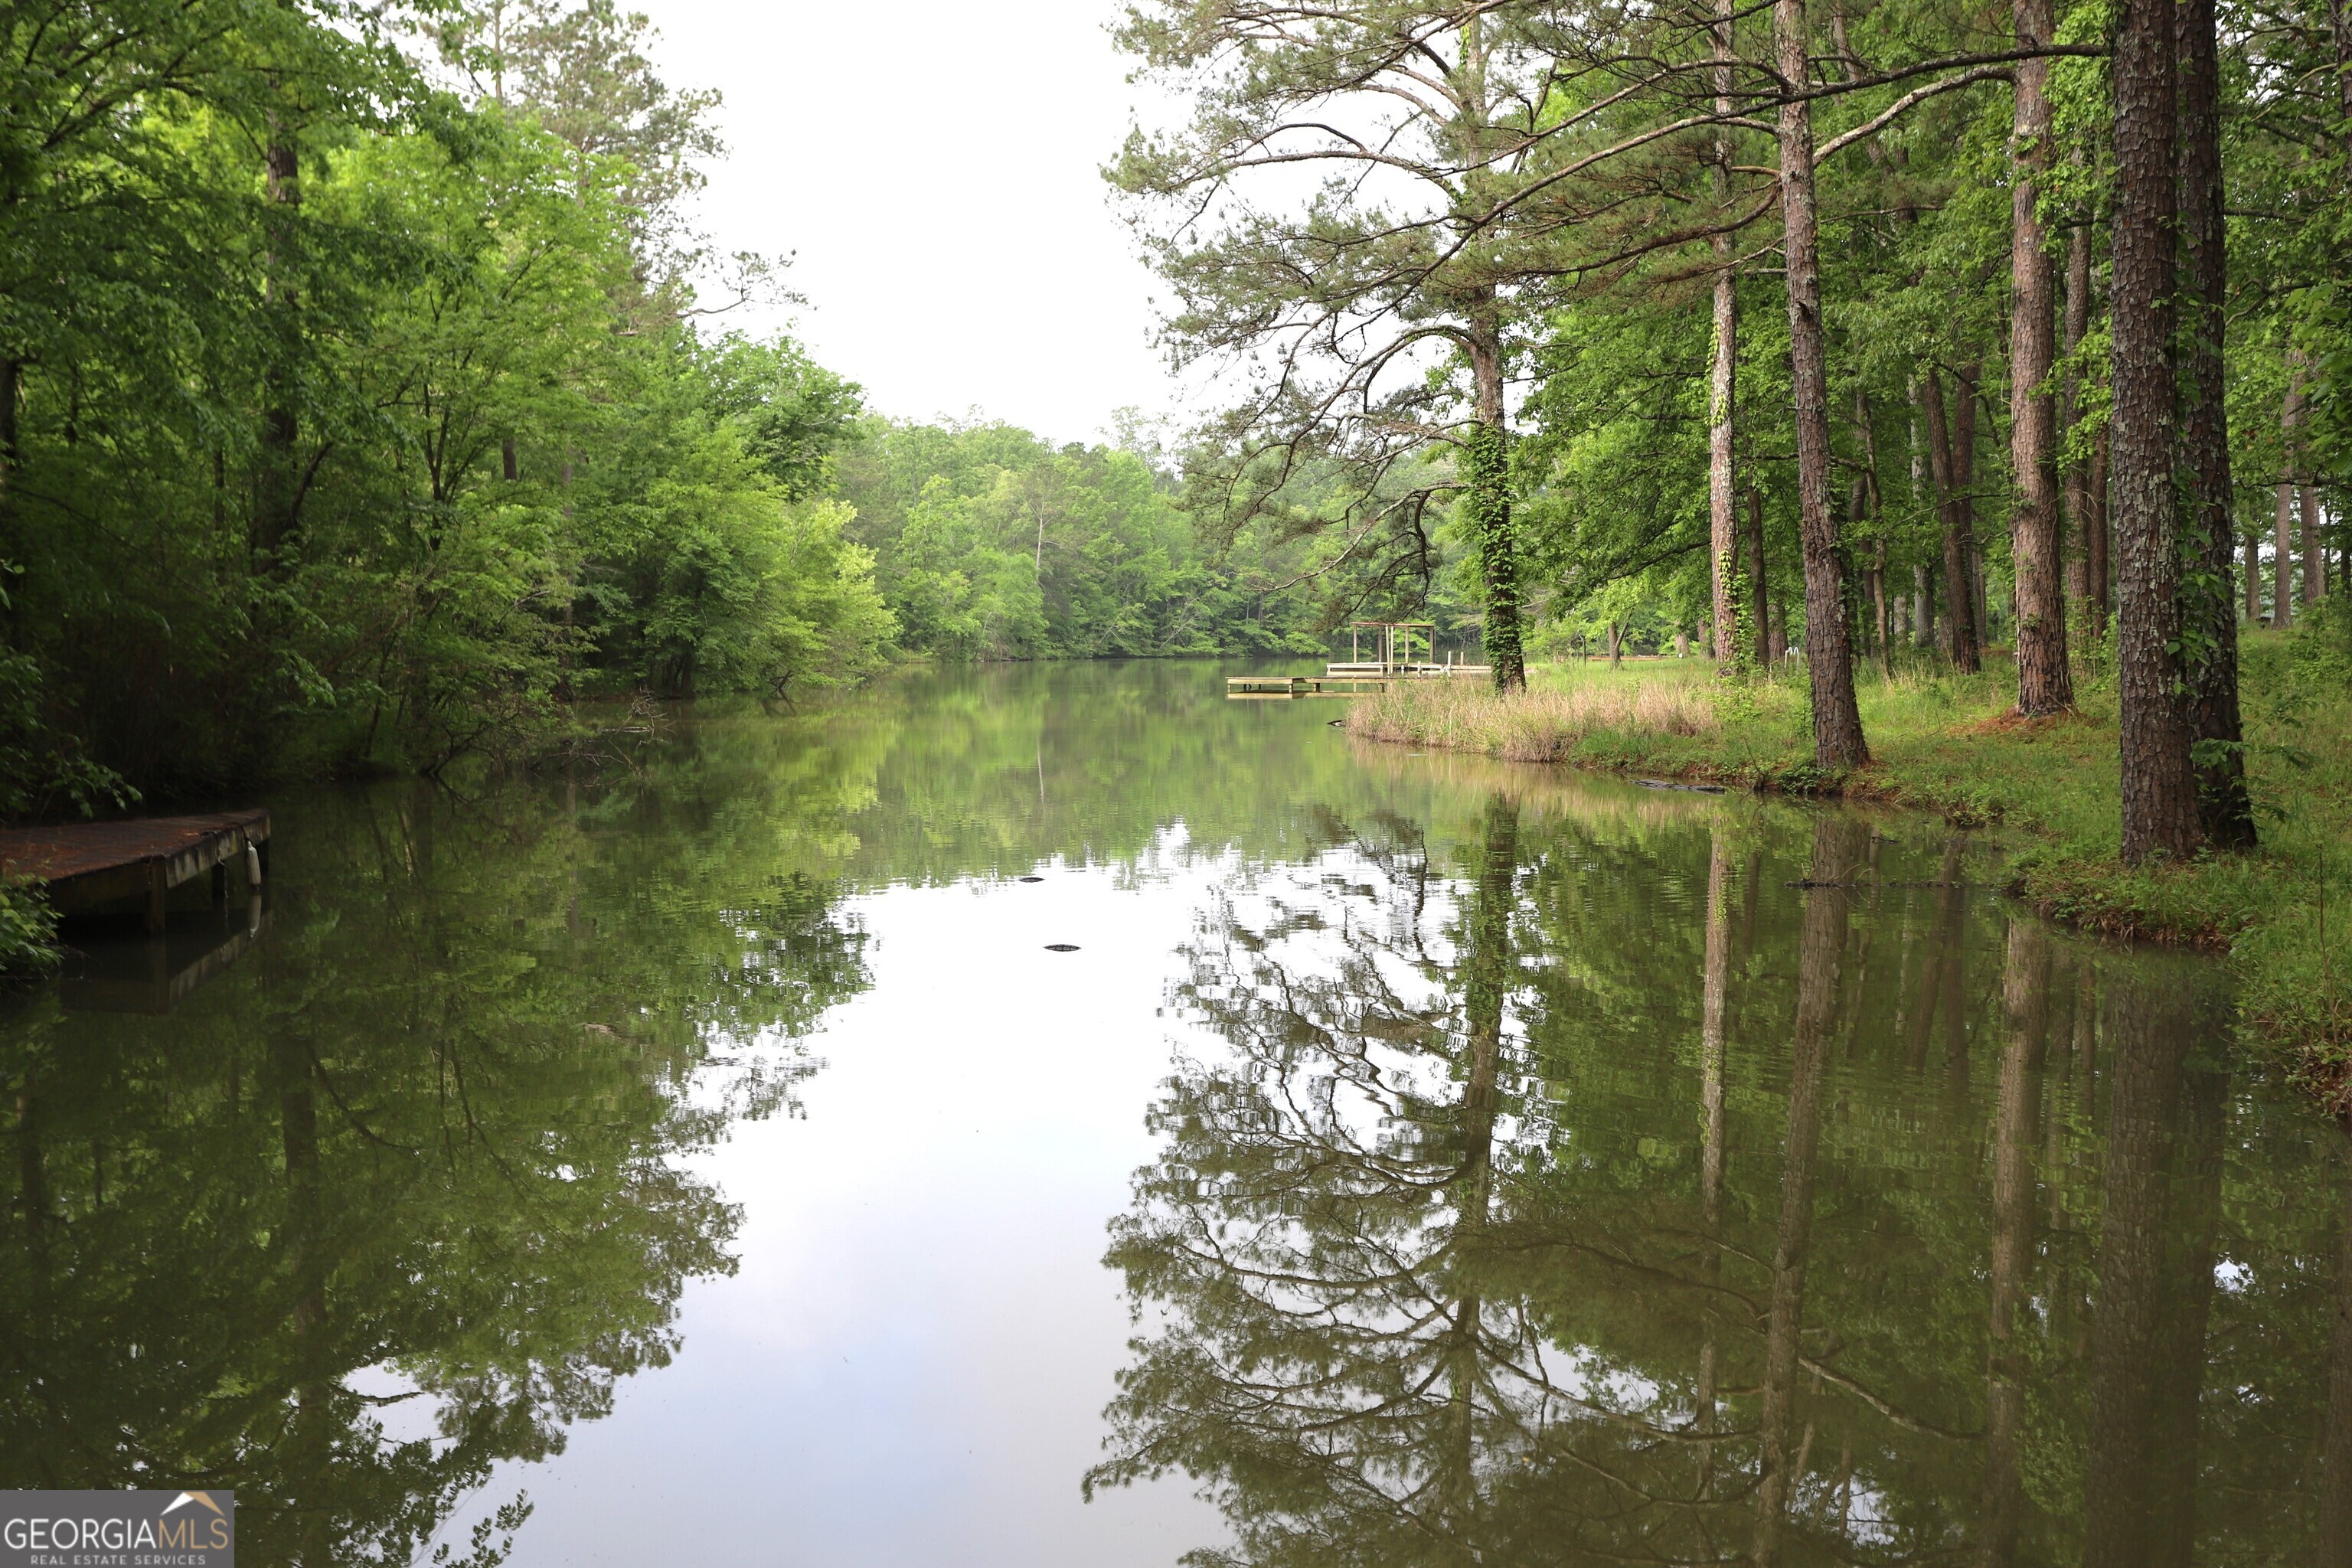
[(92, 863), (1396, 643)]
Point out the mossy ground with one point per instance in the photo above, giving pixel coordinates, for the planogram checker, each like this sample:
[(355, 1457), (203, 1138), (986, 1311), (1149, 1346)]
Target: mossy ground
[(1950, 743)]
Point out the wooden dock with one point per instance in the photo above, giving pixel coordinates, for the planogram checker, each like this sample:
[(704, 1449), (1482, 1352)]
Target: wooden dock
[(93, 863), (1342, 680), (1283, 688)]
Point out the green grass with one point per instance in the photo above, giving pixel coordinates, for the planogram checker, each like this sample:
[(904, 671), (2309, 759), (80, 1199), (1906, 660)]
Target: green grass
[(1943, 743)]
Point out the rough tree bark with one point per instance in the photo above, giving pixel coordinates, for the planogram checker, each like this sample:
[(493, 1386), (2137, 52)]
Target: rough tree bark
[(2339, 23), (2044, 683), (1967, 393), (1961, 642), (1828, 649), (2078, 475), (1761, 634), (2210, 647), (1723, 381), (2315, 553), (2097, 553), (2159, 786), (2291, 420)]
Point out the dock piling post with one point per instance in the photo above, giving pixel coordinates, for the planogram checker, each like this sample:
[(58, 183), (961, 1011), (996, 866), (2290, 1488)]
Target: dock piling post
[(157, 888)]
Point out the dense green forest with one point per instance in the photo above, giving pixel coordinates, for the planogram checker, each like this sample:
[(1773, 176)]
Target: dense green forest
[(364, 402), (1836, 327), (365, 396)]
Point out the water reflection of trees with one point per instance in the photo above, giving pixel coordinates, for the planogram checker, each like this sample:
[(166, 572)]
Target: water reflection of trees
[(1583, 1192), (403, 1200)]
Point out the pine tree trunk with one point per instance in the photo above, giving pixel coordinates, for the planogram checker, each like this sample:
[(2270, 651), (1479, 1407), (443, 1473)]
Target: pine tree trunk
[(1829, 651), (2339, 23), (1486, 491), (2292, 416), (1723, 381), (2044, 683), (2209, 533), (2282, 556), (12, 373), (1966, 385), (2078, 475), (2160, 787), (1760, 635), (1961, 641), (1882, 611), (2100, 528), (2315, 557)]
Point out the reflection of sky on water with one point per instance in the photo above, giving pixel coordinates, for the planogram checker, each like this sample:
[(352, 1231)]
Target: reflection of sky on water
[(911, 1366)]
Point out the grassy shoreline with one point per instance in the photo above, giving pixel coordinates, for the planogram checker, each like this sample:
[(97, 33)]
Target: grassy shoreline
[(1949, 743)]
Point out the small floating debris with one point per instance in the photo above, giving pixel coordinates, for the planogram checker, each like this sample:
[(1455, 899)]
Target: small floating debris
[(1670, 784), (1061, 947), (1029, 878)]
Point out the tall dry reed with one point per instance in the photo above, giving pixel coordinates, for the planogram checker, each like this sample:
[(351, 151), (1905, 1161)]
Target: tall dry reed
[(1530, 726)]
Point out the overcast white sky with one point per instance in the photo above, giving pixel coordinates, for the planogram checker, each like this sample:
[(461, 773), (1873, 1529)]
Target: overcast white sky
[(934, 166)]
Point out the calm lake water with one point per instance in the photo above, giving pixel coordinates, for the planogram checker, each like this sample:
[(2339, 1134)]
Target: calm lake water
[(707, 1157)]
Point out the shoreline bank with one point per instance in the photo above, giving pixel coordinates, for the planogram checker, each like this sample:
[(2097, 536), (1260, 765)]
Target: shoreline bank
[(1947, 744)]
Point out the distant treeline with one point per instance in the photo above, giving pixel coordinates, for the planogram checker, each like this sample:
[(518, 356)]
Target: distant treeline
[(988, 542)]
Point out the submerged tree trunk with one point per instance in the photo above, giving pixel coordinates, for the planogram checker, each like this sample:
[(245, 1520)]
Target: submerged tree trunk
[(2209, 629), (2154, 1270), (2025, 984), (1714, 982), (1722, 380), (2335, 1531), (1828, 649), (2159, 786), (1822, 946), (2045, 682)]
